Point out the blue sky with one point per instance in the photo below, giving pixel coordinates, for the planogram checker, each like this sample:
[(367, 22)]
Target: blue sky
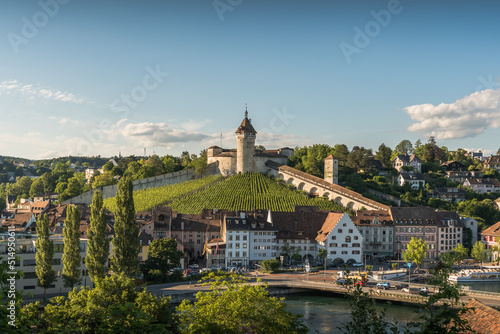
[(95, 78)]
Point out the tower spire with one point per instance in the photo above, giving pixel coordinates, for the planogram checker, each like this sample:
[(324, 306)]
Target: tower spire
[(246, 112)]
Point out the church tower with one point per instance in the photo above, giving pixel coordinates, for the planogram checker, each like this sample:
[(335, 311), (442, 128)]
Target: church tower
[(245, 147), (332, 169)]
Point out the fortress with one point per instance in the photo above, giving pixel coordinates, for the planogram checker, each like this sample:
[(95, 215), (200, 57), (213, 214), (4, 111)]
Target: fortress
[(245, 158)]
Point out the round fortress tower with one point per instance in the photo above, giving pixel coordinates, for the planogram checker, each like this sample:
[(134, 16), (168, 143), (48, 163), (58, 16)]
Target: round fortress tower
[(245, 146)]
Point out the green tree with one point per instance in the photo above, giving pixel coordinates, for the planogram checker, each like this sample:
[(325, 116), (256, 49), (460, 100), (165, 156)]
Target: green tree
[(384, 154), (200, 163), (113, 306), (71, 256), (36, 188), (169, 164), (479, 252), (163, 256), (462, 252), (404, 147), (233, 306), (270, 265), (98, 243), (126, 245), (44, 256), (287, 250), (416, 251), (108, 166)]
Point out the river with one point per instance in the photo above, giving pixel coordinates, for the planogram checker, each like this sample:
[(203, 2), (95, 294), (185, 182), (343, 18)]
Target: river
[(323, 314)]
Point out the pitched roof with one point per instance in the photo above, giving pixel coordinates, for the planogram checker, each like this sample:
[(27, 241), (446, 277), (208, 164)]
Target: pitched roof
[(412, 176), (300, 224), (493, 182), (330, 222), (481, 318), (492, 231), (421, 215), (492, 159), (246, 127), (330, 157)]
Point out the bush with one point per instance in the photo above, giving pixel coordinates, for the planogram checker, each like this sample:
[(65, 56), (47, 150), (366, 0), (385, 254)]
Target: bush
[(270, 265)]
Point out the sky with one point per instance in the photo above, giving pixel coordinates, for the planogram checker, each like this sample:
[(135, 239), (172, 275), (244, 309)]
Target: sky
[(91, 78)]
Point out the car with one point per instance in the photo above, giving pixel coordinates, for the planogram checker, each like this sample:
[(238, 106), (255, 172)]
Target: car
[(312, 270), (424, 290), (402, 286), (341, 282), (384, 285), (361, 283), (193, 266), (407, 289), (357, 264)]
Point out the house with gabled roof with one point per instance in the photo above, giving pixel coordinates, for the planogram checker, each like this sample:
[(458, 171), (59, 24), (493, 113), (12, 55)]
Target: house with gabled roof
[(483, 186), (450, 194), (491, 238), (415, 180), (493, 162), (341, 239), (402, 160)]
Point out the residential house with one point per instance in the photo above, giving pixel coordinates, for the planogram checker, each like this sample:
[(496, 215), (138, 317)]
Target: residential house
[(481, 318), (483, 186), (493, 162), (402, 160), (341, 239), (453, 165), (89, 172), (461, 176), (491, 239), (449, 194), (20, 221), (415, 180), (475, 155), (377, 229)]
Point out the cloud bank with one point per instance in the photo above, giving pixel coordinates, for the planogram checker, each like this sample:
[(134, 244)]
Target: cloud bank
[(464, 118)]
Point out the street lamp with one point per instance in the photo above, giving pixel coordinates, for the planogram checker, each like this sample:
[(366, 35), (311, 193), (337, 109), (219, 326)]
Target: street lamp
[(324, 272)]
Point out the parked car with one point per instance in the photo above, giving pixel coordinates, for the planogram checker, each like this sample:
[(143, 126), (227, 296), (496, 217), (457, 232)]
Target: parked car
[(361, 283), (193, 266), (384, 285), (402, 286), (357, 264), (341, 282), (312, 270), (407, 289)]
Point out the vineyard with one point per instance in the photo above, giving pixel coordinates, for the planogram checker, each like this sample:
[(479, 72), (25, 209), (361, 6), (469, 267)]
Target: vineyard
[(247, 192), (148, 198)]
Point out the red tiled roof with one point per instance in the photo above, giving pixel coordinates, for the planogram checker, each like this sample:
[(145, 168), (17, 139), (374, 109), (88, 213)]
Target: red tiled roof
[(331, 220), (246, 127), (482, 319)]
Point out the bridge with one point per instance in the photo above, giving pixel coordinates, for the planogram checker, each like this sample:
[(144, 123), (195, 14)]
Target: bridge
[(317, 186)]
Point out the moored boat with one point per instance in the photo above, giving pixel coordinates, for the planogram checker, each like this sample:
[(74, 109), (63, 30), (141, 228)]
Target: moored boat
[(476, 275)]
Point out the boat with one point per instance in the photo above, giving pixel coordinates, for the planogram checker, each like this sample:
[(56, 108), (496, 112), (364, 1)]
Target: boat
[(475, 275)]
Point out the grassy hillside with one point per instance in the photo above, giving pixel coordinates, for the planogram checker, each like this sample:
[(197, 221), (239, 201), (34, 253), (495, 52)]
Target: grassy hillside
[(246, 192), (148, 198)]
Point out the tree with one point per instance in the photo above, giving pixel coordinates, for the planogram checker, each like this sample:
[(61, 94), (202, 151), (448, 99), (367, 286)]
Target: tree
[(98, 243), (232, 306), (384, 154), (36, 188), (71, 256), (322, 254), (416, 251), (113, 306), (462, 252), (163, 256), (44, 256), (126, 245), (169, 164), (287, 251), (270, 265), (479, 252), (404, 147), (108, 166), (200, 163)]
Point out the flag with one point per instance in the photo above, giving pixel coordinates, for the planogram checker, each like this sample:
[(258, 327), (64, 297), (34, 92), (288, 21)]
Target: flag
[(205, 248), (217, 248)]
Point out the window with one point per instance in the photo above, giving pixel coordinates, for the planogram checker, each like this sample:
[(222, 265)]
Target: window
[(345, 245), (355, 251), (30, 275), (355, 237), (348, 238), (344, 252), (340, 230), (58, 248), (56, 262), (237, 238), (333, 252), (29, 287), (245, 237), (350, 230), (333, 245), (334, 237), (29, 263)]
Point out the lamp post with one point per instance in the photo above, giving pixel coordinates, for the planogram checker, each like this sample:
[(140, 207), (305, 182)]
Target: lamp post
[(324, 272)]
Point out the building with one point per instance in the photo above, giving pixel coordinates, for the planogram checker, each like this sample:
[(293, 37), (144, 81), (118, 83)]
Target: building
[(461, 176), (442, 230), (341, 239), (449, 194), (483, 186), (26, 250), (493, 162), (332, 169), (481, 318), (90, 172), (245, 158), (470, 224), (491, 238), (453, 165), (377, 229), (415, 180), (412, 161)]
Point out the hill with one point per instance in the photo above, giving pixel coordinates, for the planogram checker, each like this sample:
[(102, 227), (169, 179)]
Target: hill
[(249, 191), (148, 198)]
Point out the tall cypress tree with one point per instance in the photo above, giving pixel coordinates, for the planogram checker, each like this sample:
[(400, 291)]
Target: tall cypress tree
[(98, 244), (44, 257), (71, 256), (126, 245)]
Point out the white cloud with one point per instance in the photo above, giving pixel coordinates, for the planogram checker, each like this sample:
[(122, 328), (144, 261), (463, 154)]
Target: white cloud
[(466, 117), (192, 125), (16, 88)]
